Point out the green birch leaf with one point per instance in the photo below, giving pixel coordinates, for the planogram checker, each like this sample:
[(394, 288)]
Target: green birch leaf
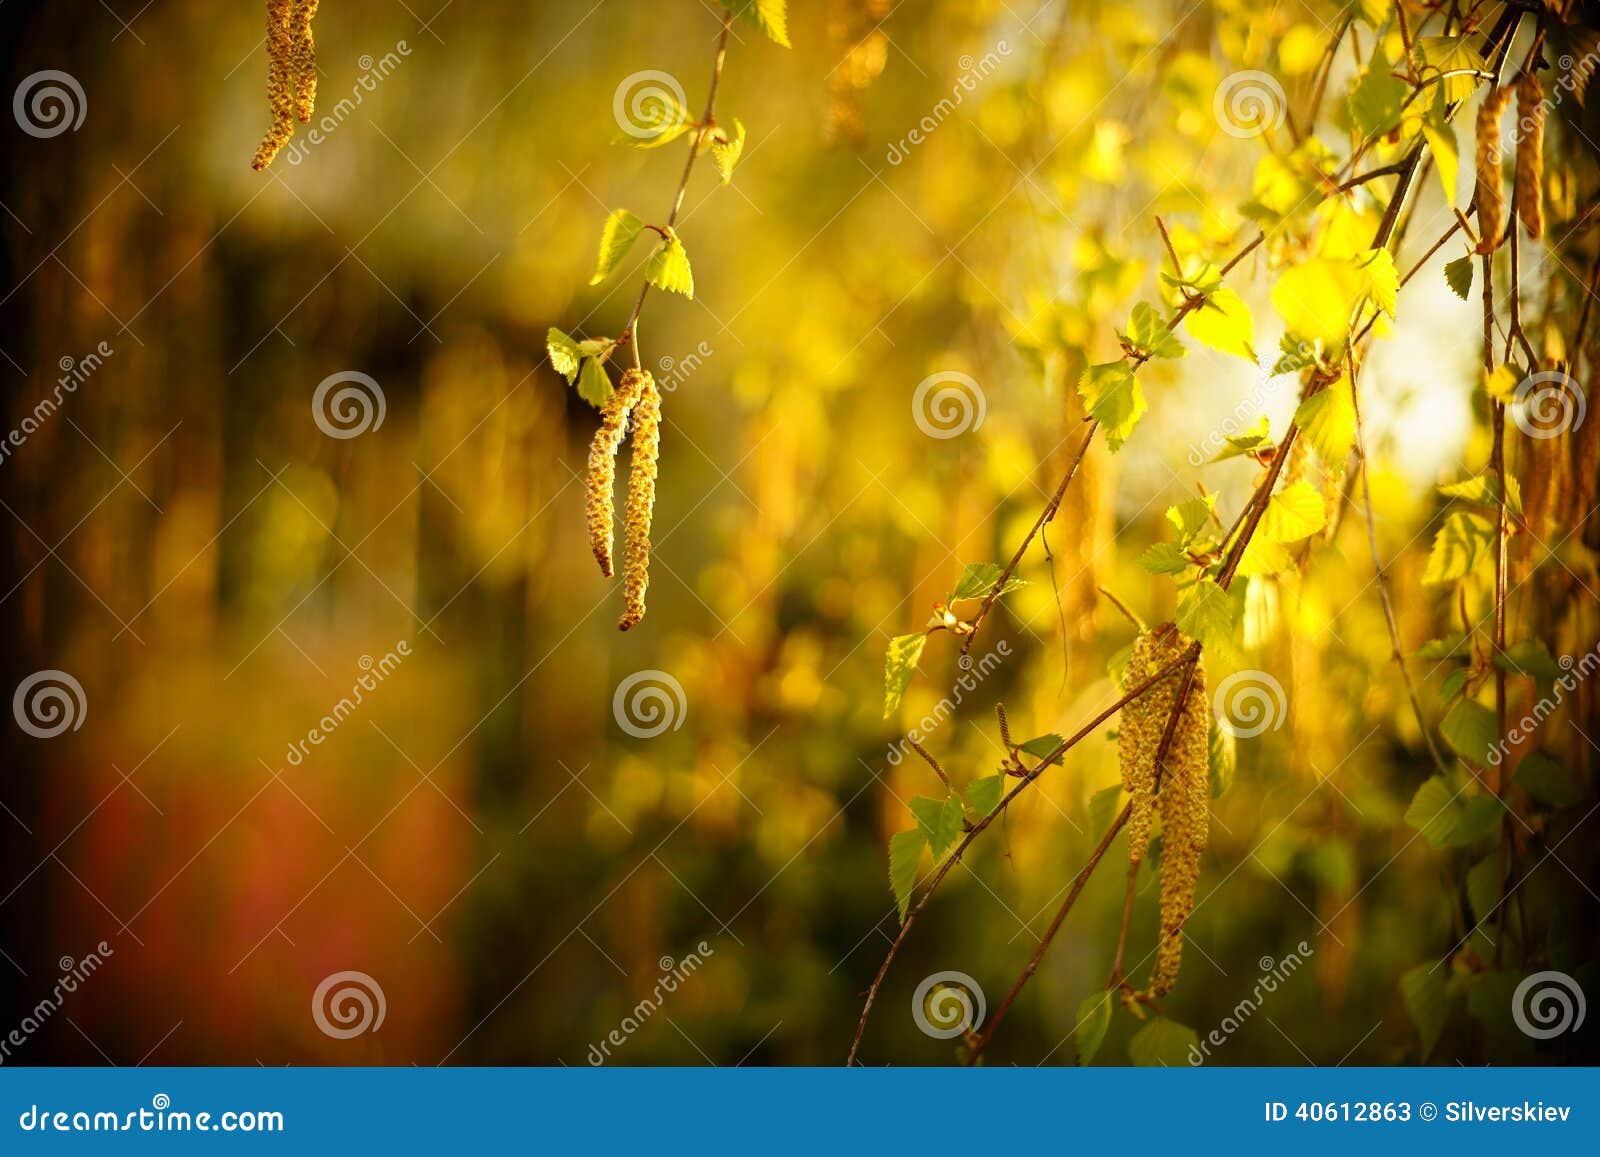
[(901, 661), (1163, 1042), (978, 579), (1427, 998), (1451, 819), (939, 821), (563, 353), (985, 794), (1458, 275), (1148, 332), (1328, 420), (1165, 558), (1094, 1018), (617, 236), (1552, 784), (594, 384), (1205, 612), (1112, 394), (905, 856)]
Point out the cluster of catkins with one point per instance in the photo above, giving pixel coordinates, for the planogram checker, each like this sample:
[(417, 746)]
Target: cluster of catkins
[(637, 397), (1184, 789), (1529, 137), (291, 73)]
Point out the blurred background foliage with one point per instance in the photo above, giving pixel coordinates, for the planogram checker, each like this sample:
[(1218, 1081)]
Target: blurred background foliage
[(482, 838)]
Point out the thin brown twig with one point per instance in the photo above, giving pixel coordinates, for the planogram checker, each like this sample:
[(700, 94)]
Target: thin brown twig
[(630, 333), (1389, 616), (978, 829)]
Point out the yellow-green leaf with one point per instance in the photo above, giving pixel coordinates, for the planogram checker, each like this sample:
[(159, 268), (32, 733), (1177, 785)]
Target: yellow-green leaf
[(1328, 420), (1461, 544), (771, 16), (563, 353), (1205, 612), (669, 267), (900, 662), (727, 149), (1294, 513), (594, 384), (984, 794), (1441, 138), (621, 230), (1163, 1042), (1112, 394)]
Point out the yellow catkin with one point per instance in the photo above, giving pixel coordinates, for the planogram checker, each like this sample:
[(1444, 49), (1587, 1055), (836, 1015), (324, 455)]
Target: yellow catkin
[(641, 501), (280, 82), (1530, 154), (1185, 824), (305, 60), (1143, 722), (1491, 193), (602, 475)]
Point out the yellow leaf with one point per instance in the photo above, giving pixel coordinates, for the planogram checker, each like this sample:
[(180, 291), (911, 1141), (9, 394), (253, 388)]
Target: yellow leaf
[(1295, 512), (1224, 323)]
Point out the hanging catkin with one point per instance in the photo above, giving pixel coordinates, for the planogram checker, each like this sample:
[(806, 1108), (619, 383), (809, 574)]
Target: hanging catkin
[(1143, 722), (1530, 154), (280, 83), (291, 73), (1185, 823), (1491, 194), (641, 501), (305, 60), (602, 475)]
